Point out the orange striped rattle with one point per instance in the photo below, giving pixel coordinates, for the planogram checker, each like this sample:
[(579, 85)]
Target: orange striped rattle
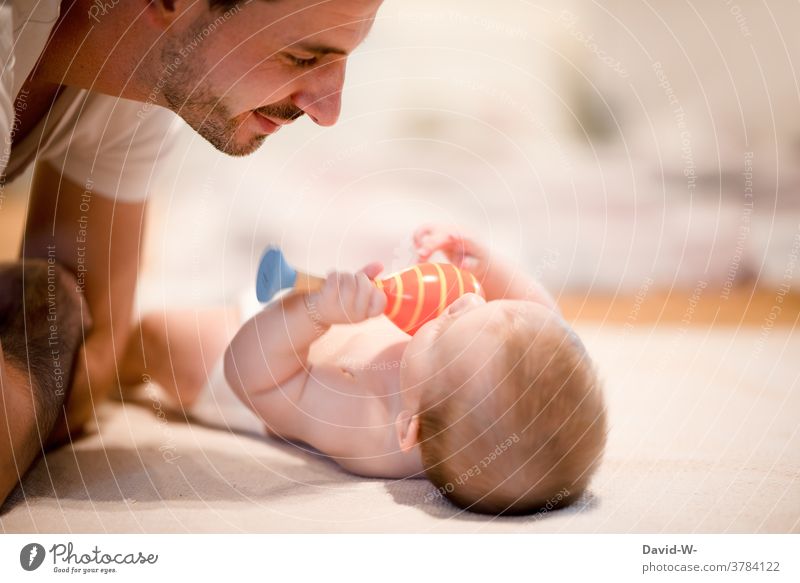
[(414, 296)]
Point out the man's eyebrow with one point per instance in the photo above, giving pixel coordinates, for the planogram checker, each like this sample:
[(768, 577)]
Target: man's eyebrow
[(321, 49)]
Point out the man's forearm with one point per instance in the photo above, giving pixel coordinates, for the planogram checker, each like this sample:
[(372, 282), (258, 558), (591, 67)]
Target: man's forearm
[(98, 240), (40, 332)]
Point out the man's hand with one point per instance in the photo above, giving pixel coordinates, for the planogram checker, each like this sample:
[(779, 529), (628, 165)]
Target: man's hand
[(348, 298), (93, 355), (42, 324)]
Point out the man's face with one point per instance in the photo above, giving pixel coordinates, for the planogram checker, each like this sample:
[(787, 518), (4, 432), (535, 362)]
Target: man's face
[(237, 76)]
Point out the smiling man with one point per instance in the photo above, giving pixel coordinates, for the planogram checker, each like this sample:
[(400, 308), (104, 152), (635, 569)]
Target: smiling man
[(85, 89)]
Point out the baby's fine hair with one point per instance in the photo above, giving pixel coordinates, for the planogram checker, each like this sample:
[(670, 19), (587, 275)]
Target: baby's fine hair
[(529, 444)]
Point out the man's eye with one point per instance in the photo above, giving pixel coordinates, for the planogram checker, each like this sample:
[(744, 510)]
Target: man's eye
[(302, 62)]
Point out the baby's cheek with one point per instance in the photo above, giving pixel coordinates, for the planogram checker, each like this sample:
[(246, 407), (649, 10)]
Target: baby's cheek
[(413, 370)]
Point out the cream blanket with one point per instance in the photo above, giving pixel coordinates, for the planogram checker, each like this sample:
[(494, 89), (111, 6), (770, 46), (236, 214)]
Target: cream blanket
[(704, 438)]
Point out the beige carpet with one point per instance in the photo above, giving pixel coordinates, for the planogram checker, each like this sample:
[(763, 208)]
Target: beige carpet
[(704, 438)]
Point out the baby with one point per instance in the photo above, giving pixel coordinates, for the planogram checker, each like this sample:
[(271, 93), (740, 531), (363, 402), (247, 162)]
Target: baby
[(495, 401)]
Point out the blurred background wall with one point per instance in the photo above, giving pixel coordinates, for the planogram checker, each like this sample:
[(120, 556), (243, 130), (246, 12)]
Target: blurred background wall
[(606, 146)]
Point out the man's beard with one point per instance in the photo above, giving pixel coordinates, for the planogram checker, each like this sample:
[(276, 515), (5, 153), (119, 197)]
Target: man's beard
[(206, 113), (210, 118)]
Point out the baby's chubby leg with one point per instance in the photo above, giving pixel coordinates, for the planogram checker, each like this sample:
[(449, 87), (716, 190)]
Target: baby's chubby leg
[(178, 349)]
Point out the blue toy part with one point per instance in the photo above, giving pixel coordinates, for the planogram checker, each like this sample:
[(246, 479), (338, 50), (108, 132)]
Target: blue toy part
[(274, 274)]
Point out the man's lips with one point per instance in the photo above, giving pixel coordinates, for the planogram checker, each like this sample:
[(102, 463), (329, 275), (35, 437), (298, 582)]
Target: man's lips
[(267, 125)]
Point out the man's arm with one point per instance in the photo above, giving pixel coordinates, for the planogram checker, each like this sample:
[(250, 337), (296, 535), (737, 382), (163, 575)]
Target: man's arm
[(98, 239), (40, 334)]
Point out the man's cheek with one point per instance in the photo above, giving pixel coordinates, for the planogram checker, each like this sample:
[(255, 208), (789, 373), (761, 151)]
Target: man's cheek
[(258, 90)]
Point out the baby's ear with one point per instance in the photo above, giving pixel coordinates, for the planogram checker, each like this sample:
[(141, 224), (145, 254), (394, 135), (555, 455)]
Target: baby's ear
[(407, 428)]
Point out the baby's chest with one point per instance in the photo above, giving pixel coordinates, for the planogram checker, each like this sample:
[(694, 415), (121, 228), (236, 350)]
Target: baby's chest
[(352, 376), (365, 351)]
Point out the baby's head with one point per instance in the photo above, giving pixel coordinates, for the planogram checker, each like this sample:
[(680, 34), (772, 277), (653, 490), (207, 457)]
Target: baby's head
[(505, 406)]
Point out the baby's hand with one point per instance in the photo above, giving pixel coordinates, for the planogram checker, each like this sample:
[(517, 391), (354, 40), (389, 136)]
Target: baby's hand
[(348, 298), (460, 249)]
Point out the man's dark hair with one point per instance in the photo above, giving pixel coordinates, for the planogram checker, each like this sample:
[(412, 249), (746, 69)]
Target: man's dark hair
[(223, 5)]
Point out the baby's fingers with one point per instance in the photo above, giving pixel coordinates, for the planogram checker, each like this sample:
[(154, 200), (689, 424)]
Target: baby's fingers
[(377, 303), (337, 295), (369, 300), (361, 297), (435, 241), (422, 232), (372, 270)]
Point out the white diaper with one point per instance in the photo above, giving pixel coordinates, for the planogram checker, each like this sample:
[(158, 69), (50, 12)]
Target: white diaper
[(217, 404)]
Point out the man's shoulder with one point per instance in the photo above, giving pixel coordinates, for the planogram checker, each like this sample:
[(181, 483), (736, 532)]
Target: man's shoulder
[(112, 141), (124, 116)]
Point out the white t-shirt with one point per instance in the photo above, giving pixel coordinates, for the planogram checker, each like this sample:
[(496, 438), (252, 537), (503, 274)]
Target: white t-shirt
[(107, 143)]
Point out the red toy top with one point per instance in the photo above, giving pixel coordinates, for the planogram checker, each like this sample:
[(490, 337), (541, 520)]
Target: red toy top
[(422, 292)]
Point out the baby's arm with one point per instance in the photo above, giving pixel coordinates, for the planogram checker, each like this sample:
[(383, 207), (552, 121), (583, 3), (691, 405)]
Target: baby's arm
[(500, 279), (272, 347)]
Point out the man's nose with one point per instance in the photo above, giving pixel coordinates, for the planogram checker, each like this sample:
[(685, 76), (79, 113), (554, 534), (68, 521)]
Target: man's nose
[(321, 96)]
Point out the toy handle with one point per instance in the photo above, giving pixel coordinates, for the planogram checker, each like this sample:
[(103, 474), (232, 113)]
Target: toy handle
[(414, 296), (306, 284), (275, 274)]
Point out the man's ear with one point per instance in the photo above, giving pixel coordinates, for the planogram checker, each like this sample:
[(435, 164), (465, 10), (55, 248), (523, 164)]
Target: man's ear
[(164, 12), (407, 428)]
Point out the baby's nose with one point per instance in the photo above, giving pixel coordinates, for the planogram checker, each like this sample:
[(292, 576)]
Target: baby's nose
[(465, 302)]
